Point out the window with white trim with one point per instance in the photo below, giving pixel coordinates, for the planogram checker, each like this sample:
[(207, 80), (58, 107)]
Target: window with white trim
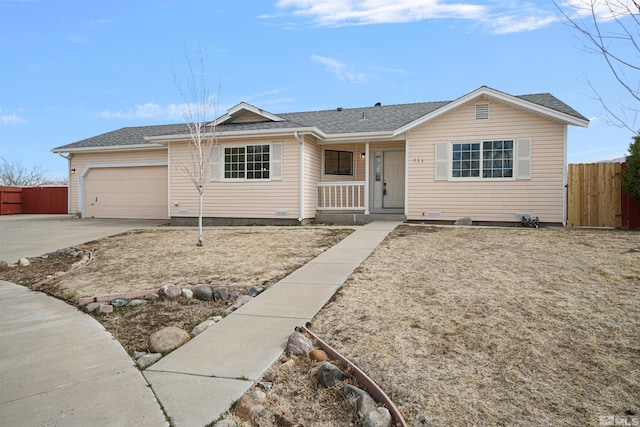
[(482, 160), (247, 162)]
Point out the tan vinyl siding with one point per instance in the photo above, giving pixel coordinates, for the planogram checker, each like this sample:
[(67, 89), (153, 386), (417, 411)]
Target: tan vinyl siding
[(250, 118), (358, 163), (488, 200), (239, 199), (80, 161)]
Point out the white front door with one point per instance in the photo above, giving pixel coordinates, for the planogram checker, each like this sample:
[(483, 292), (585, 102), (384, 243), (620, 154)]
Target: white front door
[(388, 180)]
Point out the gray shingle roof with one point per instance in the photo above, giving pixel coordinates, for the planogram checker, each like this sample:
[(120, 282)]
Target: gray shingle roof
[(385, 118), (125, 136)]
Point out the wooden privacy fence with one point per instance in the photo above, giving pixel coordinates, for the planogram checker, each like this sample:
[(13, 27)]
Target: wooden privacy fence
[(33, 200), (595, 197)]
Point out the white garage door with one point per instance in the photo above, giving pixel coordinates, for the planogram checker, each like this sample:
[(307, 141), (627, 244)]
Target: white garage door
[(127, 192)]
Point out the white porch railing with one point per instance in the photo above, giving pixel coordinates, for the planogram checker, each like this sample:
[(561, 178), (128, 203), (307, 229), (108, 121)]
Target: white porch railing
[(337, 196)]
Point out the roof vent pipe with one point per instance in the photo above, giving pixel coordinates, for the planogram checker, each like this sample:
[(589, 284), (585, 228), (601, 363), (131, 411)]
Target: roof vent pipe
[(339, 108), (378, 104)]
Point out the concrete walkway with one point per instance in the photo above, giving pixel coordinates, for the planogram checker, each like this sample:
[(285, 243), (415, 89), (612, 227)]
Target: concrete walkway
[(60, 367), (199, 381)]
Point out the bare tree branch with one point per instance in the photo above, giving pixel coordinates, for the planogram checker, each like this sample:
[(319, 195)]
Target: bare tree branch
[(199, 111), (14, 173), (620, 50)]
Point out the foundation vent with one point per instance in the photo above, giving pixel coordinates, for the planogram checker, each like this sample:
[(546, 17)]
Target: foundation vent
[(282, 213), (520, 215), (432, 214)]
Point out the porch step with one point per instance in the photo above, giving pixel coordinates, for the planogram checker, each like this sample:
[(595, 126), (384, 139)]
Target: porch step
[(356, 218)]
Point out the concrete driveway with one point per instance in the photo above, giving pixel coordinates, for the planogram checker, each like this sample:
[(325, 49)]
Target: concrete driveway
[(34, 235)]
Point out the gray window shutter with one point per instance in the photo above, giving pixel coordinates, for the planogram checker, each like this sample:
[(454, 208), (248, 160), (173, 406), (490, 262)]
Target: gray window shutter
[(523, 160), (276, 160), (215, 163), (441, 161)]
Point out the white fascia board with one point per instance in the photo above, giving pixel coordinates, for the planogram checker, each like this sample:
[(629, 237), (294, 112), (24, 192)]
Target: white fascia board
[(360, 137), (501, 96), (165, 139), (249, 108), (109, 148)]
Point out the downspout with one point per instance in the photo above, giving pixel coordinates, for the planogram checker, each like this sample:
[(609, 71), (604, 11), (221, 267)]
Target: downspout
[(68, 157), (300, 139)]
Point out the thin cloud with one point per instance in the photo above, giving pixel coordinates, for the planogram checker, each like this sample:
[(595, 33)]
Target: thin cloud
[(499, 17), (364, 12), (13, 119), (340, 69), (603, 10), (150, 110), (506, 24)]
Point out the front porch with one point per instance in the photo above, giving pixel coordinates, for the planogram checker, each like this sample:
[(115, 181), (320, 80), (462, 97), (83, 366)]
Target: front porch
[(348, 202)]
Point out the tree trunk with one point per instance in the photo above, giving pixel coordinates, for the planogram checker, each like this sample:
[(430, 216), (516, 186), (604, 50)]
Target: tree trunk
[(200, 243)]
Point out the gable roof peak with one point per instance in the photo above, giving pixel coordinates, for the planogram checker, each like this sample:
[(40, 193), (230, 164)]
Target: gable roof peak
[(243, 108)]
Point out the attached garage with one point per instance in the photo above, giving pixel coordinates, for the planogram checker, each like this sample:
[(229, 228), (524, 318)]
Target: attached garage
[(126, 192)]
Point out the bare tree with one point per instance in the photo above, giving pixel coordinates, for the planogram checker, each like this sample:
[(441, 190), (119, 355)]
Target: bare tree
[(199, 110), (14, 173), (611, 28)]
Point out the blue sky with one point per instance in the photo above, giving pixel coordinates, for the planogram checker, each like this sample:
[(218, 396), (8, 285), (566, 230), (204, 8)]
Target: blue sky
[(70, 70)]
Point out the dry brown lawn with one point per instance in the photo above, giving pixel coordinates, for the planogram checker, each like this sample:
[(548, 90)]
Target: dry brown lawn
[(460, 326), (148, 259), (486, 326)]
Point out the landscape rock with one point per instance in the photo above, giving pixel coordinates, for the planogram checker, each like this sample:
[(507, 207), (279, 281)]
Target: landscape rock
[(225, 423), (221, 293), (3, 265), (240, 301), (24, 262), (187, 293), (254, 291), (138, 354), (170, 291), (249, 409), (378, 418), (152, 297), (92, 306), (137, 302), (352, 392), (287, 365), (203, 293), (329, 375), (298, 344), (365, 405), (265, 385), (167, 339), (119, 302), (104, 309), (203, 326), (148, 360), (318, 356), (464, 221)]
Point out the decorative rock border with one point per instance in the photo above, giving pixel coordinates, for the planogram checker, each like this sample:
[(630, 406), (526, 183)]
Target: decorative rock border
[(85, 258), (373, 407), (370, 386), (169, 338)]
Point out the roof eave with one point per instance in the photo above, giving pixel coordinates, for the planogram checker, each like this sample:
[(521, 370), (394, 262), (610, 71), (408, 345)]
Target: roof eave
[(338, 138), (148, 146), (165, 139)]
